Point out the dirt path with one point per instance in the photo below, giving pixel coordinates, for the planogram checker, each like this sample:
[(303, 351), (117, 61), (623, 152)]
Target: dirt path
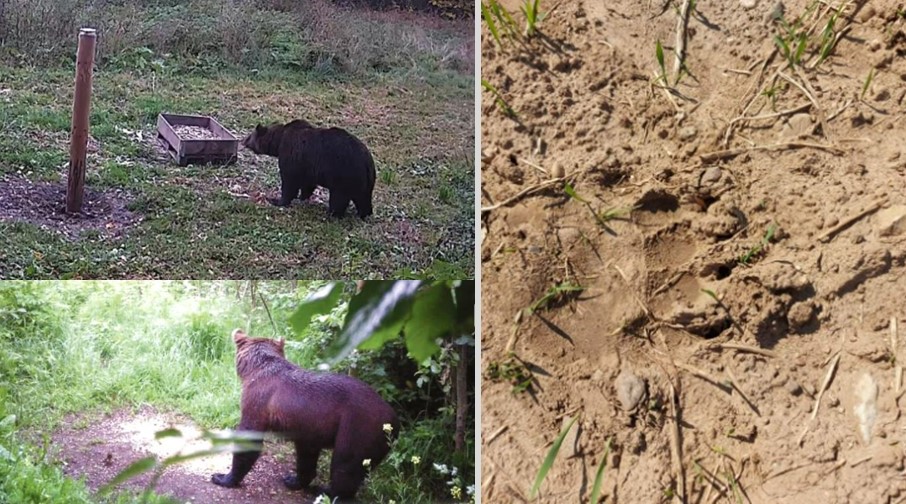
[(783, 236), (99, 448)]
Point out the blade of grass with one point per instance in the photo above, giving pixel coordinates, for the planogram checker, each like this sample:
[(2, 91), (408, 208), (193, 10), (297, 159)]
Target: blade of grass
[(867, 84), (489, 20), (599, 475), (503, 16), (659, 55), (571, 192), (549, 460), (498, 100)]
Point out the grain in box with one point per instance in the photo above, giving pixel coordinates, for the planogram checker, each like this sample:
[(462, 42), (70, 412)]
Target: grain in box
[(196, 139)]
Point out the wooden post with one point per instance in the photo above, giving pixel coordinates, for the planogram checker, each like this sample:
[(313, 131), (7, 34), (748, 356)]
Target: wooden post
[(81, 105)]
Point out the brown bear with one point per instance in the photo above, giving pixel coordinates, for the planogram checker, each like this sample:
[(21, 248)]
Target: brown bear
[(309, 156), (316, 411)]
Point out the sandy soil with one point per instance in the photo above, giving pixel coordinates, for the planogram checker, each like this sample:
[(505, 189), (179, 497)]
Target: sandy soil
[(97, 449), (745, 268)]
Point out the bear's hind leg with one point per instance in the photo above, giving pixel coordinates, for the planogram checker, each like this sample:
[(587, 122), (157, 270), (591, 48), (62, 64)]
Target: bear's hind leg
[(338, 203), (242, 464), (346, 476), (306, 468), (307, 191), (363, 205)]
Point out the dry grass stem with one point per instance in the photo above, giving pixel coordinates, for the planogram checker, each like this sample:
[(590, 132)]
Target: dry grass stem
[(710, 157), (826, 383)]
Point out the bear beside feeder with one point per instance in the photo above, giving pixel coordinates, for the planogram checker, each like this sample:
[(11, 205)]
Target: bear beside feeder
[(196, 139)]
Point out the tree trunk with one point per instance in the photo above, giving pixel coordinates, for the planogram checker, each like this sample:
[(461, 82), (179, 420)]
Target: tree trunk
[(462, 398)]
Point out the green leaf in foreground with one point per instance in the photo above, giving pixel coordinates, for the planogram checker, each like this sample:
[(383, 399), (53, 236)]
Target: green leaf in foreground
[(551, 456), (378, 311), (599, 475), (322, 301), (138, 467), (171, 432), (433, 316)]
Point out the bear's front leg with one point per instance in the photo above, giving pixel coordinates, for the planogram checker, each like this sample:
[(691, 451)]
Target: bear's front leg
[(242, 464), (289, 189)]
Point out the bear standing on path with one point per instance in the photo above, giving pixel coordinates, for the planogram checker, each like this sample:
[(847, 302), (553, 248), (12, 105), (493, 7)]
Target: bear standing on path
[(315, 410), (309, 156)]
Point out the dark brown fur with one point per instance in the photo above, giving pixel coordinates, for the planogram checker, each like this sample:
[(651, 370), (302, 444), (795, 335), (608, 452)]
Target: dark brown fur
[(309, 156), (315, 410)]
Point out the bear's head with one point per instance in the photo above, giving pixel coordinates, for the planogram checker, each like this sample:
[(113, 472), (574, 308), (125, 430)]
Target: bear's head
[(254, 353), (264, 139)]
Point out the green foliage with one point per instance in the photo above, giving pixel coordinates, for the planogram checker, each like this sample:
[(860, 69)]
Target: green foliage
[(512, 370), (757, 249), (555, 294), (423, 311)]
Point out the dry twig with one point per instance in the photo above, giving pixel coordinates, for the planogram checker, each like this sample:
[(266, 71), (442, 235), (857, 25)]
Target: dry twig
[(845, 223), (676, 450)]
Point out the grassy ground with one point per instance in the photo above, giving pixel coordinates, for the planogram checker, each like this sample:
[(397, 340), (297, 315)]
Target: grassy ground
[(92, 347), (416, 117)]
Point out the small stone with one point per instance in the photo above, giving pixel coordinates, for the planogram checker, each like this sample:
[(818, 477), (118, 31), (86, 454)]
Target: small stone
[(801, 315), (865, 14), (568, 235), (711, 175), (558, 171), (799, 125), (630, 390), (687, 133), (748, 4), (891, 221)]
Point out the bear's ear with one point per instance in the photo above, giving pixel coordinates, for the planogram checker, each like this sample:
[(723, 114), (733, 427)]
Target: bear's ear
[(238, 335), (260, 129)]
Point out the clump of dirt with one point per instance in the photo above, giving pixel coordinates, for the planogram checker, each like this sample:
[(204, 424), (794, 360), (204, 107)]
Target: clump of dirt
[(97, 449), (43, 204), (739, 233)]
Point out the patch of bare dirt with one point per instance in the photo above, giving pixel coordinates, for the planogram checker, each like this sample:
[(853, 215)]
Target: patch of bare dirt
[(97, 449), (43, 204), (757, 255)]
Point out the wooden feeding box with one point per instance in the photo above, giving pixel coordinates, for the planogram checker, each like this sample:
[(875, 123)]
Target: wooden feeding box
[(196, 139)]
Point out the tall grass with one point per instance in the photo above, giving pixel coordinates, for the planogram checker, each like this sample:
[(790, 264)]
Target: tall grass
[(313, 36)]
